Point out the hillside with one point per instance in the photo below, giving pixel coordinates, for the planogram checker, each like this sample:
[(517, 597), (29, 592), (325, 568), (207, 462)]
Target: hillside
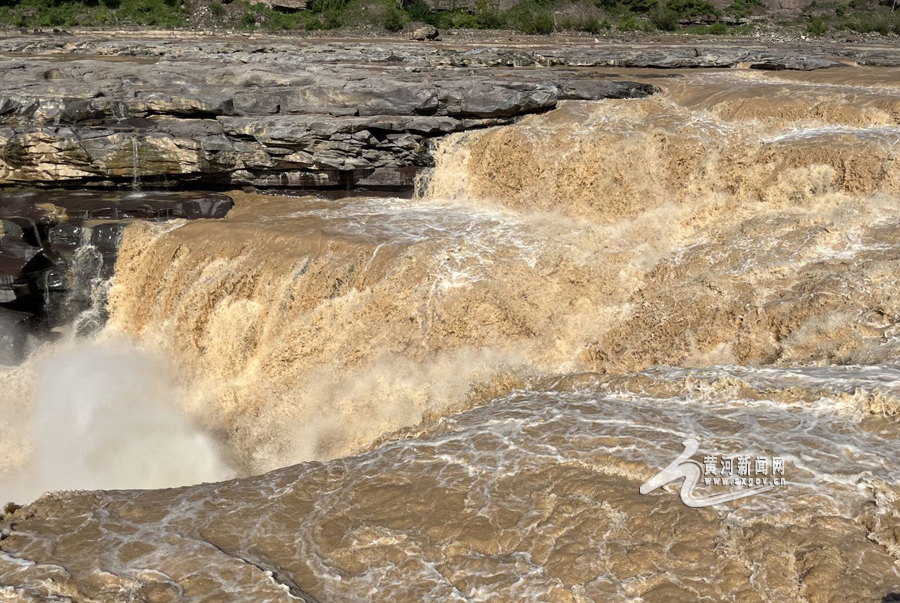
[(599, 18)]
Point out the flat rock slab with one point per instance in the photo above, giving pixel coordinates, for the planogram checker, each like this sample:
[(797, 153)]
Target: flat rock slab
[(60, 206), (284, 115), (103, 111)]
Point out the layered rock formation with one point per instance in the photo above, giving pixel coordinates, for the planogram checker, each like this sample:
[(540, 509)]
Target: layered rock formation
[(273, 114), (58, 250), (214, 118)]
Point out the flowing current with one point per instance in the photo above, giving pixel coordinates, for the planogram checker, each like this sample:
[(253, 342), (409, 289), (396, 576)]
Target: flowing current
[(488, 372)]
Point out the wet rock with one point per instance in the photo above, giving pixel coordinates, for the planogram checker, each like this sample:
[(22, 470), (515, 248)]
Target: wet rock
[(57, 217), (14, 328), (89, 250), (20, 265), (208, 208), (54, 255), (796, 64), (597, 89), (148, 206)]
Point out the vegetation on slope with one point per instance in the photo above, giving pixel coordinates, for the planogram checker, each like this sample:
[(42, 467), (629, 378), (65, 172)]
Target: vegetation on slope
[(528, 16)]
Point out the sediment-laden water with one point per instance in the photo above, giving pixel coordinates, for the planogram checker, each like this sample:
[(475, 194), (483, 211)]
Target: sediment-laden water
[(487, 373)]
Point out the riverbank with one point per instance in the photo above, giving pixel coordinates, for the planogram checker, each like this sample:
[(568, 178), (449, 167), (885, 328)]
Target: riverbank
[(773, 20)]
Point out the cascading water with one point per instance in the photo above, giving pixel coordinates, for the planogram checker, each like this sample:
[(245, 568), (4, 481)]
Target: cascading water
[(571, 297), (135, 164), (424, 287), (86, 300)]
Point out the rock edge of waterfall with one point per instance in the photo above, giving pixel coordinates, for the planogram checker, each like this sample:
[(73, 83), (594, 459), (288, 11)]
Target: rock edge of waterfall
[(104, 111)]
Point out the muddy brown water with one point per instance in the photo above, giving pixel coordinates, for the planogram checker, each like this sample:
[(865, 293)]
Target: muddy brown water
[(475, 382)]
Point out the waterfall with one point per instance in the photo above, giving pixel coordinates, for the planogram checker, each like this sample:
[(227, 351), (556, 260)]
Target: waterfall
[(87, 298), (135, 165)]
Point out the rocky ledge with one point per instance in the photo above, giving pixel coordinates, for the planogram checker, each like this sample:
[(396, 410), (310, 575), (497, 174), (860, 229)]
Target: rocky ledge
[(58, 250), (107, 111), (207, 119)]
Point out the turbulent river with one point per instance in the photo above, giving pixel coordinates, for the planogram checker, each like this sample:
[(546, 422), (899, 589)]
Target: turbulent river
[(476, 381)]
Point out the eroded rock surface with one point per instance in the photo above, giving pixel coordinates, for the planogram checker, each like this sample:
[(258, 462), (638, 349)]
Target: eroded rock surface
[(278, 114), (57, 248), (286, 116)]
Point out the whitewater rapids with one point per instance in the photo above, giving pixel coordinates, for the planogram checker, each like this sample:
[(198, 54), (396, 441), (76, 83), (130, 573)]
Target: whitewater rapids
[(485, 374)]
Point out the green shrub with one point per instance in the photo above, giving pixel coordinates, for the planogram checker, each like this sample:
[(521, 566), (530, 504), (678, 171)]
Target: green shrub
[(687, 9), (593, 25), (640, 6), (465, 20), (216, 9), (530, 18), (542, 24), (419, 11), (488, 18), (248, 20), (841, 10), (817, 27), (665, 19), (620, 6), (876, 22), (394, 19), (718, 29), (324, 6), (56, 13), (743, 8), (332, 19), (277, 21), (629, 23)]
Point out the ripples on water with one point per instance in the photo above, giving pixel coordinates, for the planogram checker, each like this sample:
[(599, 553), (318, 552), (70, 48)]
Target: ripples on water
[(497, 365)]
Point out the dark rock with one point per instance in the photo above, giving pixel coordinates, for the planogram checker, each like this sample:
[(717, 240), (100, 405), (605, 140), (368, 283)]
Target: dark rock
[(798, 64), (54, 256), (599, 89), (208, 208), (21, 264), (14, 329), (422, 32)]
